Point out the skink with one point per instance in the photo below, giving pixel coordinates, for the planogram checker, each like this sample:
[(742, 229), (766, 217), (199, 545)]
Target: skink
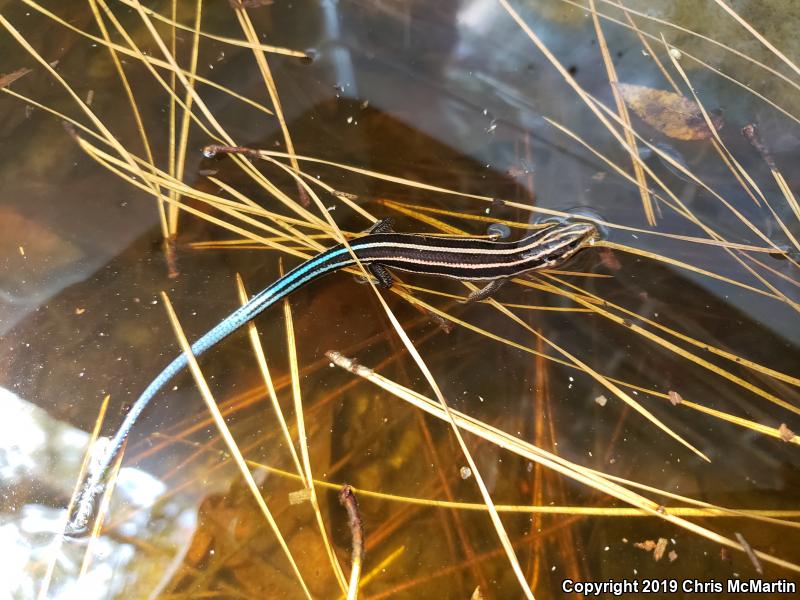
[(467, 259)]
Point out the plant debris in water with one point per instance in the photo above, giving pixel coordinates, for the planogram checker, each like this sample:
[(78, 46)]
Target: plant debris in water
[(673, 115), (8, 79), (627, 330)]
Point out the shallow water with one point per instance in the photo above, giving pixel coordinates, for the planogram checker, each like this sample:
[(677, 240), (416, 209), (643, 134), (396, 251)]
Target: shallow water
[(453, 95)]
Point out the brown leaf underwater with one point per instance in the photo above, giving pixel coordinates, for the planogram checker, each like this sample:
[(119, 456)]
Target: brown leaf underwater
[(10, 78), (670, 113)]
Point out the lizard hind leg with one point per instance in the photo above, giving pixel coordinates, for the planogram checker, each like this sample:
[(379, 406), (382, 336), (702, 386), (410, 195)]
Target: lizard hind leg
[(381, 275), (486, 291)]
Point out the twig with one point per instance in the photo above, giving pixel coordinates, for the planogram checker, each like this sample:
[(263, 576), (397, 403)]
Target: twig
[(748, 549), (212, 150), (347, 498), (750, 132)]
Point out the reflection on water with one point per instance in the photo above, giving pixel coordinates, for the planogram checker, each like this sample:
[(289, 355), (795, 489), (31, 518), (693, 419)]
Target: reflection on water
[(455, 95), (37, 462)]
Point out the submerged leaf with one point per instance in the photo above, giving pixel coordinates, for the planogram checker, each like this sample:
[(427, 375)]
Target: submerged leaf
[(10, 78), (646, 545), (787, 435), (661, 547), (670, 113)]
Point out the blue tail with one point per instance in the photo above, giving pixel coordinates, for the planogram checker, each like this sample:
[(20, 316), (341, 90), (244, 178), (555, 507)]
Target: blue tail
[(85, 504)]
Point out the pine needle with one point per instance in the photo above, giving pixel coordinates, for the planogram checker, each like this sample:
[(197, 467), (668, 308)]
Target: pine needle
[(233, 448)]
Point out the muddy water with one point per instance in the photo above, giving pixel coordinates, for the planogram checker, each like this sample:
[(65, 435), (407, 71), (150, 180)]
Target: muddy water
[(453, 95)]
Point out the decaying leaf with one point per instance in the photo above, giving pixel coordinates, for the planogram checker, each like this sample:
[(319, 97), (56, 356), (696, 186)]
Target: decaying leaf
[(787, 435), (647, 545), (658, 551), (477, 594), (6, 80), (299, 496), (670, 113), (674, 397)]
